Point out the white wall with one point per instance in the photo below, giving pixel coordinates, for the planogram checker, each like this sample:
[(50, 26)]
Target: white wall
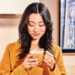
[(8, 33), (52, 6), (14, 6), (69, 62)]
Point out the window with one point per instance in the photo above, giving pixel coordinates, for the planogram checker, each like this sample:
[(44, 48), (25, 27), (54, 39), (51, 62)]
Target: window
[(67, 25)]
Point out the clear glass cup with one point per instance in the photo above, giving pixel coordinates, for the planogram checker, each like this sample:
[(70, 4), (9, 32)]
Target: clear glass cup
[(38, 53)]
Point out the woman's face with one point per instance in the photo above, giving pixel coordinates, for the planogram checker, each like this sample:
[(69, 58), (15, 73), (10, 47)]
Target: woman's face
[(36, 26)]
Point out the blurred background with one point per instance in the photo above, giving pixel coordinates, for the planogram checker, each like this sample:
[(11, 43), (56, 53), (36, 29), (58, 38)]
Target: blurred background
[(10, 15)]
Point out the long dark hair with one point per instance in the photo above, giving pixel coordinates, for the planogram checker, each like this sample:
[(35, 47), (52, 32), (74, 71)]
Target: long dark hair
[(46, 40)]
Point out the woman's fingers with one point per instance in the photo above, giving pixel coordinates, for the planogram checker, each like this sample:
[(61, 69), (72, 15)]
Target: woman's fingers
[(32, 60), (29, 63), (29, 56), (49, 59), (46, 56), (32, 64), (49, 54)]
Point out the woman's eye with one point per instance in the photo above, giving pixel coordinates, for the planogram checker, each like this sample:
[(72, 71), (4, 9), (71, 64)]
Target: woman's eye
[(41, 25), (31, 25)]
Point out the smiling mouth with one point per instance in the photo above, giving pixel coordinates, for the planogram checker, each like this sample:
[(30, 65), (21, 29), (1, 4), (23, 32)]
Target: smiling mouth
[(36, 34)]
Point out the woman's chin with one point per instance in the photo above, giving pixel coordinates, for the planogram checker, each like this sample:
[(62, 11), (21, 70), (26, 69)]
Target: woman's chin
[(35, 38)]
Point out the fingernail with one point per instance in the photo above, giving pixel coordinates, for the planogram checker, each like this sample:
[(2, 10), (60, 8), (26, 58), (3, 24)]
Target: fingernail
[(36, 62), (36, 59)]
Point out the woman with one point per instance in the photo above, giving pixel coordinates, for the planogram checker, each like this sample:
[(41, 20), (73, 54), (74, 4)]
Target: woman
[(35, 31)]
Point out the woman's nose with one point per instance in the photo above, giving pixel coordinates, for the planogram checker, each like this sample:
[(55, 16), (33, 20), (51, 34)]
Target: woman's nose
[(36, 28)]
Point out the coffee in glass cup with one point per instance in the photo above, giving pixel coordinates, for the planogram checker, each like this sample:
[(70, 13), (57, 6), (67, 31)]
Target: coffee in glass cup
[(38, 53)]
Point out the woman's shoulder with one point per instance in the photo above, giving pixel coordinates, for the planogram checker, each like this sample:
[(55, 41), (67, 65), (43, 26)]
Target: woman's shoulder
[(56, 48), (14, 45), (57, 51)]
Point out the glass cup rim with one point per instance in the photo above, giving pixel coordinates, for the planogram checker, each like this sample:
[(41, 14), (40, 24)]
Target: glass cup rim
[(37, 49)]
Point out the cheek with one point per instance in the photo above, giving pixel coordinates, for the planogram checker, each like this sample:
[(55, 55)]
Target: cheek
[(30, 29), (43, 29)]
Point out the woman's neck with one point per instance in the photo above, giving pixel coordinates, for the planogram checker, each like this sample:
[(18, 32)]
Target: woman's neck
[(35, 44)]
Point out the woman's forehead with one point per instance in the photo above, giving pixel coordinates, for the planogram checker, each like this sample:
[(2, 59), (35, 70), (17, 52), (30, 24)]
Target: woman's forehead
[(35, 17)]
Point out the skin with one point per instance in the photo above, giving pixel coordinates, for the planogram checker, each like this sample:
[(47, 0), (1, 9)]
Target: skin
[(36, 29)]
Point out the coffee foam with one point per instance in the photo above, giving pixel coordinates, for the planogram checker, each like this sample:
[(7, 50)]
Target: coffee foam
[(36, 52)]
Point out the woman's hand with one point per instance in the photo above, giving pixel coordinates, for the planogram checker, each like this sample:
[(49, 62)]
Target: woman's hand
[(49, 59), (30, 62)]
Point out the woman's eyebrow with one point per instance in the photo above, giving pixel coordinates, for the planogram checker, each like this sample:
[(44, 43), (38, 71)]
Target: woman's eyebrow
[(35, 22), (32, 21), (40, 21)]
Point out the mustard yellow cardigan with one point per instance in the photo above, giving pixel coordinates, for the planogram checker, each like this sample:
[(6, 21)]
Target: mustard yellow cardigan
[(11, 65)]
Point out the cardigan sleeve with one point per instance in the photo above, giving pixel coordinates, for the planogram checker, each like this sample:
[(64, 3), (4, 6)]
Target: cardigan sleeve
[(5, 65), (59, 66)]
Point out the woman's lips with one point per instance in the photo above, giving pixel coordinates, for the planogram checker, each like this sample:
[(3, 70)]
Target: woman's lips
[(36, 34)]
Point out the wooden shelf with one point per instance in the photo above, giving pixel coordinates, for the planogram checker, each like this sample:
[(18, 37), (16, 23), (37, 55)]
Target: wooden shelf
[(10, 15), (68, 54)]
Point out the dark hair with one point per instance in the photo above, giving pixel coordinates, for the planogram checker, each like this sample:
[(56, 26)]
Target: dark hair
[(46, 40)]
